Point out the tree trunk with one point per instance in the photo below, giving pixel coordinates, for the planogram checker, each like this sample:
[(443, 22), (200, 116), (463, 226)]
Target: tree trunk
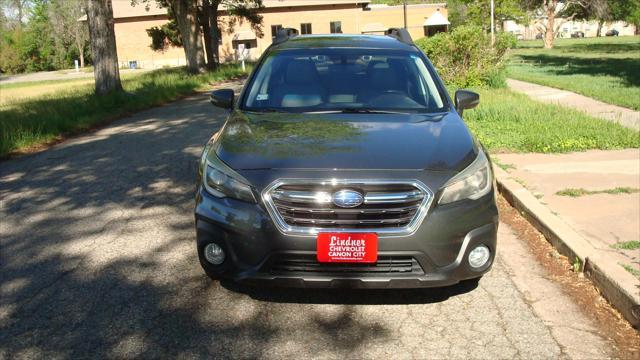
[(214, 31), (20, 13), (80, 45), (211, 31), (599, 31), (550, 33), (204, 21), (103, 46), (187, 18), (81, 57)]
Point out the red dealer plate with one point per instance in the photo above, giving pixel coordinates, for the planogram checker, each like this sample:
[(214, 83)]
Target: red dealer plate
[(347, 247)]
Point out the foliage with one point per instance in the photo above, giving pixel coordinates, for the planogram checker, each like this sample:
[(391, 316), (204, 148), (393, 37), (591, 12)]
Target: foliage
[(626, 10), (400, 2), (605, 10), (239, 11), (577, 192), (71, 37), (50, 39), (627, 245), (164, 36), (603, 68), (34, 122), (464, 57), (471, 12), (37, 47), (509, 122), (11, 60)]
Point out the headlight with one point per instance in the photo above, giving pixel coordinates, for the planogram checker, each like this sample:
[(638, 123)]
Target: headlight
[(471, 183), (222, 181)]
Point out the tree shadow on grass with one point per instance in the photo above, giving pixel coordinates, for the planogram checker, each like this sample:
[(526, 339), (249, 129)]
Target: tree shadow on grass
[(626, 68), (608, 48)]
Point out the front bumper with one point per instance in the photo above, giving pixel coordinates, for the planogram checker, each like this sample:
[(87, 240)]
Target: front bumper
[(257, 253)]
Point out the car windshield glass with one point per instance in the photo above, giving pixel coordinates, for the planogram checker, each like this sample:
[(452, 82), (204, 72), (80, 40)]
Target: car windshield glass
[(343, 80)]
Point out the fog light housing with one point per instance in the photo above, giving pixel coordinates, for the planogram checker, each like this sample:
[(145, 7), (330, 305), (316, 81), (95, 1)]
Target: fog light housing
[(214, 254), (479, 256)]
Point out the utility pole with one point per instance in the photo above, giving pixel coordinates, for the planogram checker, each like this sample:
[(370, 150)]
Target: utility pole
[(493, 35), (404, 5)]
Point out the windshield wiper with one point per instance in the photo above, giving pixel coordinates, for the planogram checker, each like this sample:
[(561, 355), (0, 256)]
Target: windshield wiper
[(356, 111)]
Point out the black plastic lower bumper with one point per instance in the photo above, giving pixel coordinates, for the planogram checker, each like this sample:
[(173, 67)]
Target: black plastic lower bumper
[(431, 257)]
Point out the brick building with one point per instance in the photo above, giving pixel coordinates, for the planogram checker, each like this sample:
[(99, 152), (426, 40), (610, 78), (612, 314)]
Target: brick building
[(308, 16)]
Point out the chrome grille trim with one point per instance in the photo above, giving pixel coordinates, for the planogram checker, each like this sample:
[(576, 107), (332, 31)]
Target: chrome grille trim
[(383, 198), (314, 203)]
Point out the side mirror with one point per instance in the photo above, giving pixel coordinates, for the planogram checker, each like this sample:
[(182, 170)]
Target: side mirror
[(466, 99), (222, 98)]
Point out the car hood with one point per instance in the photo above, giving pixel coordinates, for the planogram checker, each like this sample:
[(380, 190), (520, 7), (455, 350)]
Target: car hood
[(251, 141)]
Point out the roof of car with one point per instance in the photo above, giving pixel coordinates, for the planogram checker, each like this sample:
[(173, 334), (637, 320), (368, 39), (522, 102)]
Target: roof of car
[(344, 41)]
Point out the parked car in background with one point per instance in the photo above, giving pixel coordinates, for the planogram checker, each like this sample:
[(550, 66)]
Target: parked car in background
[(612, 32), (577, 34), (344, 162)]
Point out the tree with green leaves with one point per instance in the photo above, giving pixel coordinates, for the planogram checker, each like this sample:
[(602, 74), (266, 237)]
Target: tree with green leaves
[(13, 12), (476, 13), (625, 10), (37, 47), (70, 35), (597, 10), (188, 19), (552, 14)]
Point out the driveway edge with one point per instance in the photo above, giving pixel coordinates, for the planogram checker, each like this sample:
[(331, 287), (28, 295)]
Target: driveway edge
[(613, 282)]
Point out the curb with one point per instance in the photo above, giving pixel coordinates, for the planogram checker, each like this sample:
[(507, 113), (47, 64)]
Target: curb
[(619, 287)]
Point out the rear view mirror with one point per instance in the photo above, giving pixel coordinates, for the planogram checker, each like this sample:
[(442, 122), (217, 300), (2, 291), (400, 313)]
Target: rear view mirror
[(222, 98), (465, 99)]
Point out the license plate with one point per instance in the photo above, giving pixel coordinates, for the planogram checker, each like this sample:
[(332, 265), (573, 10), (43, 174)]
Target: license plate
[(347, 247)]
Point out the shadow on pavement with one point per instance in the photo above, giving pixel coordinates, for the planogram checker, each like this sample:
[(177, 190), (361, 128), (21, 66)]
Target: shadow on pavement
[(352, 296), (97, 256)]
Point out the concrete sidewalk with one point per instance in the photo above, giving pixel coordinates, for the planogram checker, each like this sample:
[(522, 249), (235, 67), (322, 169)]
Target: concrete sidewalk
[(607, 219), (623, 116)]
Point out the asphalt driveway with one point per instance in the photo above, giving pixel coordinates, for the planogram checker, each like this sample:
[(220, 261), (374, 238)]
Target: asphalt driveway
[(97, 259)]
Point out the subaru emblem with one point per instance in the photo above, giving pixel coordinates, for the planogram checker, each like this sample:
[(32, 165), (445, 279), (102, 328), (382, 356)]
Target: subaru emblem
[(347, 199)]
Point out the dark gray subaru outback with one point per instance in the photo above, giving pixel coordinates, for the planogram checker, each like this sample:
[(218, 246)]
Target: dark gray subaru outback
[(344, 163)]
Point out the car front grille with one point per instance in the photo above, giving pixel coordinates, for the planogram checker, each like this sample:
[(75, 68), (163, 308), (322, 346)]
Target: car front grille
[(306, 207), (308, 264)]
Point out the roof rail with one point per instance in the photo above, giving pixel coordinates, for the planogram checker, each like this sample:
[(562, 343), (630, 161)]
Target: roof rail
[(401, 34), (284, 34)]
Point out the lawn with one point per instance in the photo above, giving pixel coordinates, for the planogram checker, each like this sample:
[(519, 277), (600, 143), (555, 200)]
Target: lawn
[(14, 93), (27, 123), (504, 121), (509, 122), (606, 68)]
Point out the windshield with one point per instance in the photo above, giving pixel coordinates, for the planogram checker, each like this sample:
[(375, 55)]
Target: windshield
[(345, 80)]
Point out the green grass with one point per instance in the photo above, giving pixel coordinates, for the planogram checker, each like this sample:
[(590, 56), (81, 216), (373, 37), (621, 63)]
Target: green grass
[(509, 122), (635, 272), (505, 167), (627, 245), (577, 192), (604, 68), (37, 121)]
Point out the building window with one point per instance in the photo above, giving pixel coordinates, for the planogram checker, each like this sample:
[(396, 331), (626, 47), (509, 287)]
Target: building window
[(305, 29), (274, 30), (336, 27)]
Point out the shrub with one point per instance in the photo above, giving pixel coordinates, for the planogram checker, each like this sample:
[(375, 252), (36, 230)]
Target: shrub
[(464, 57)]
